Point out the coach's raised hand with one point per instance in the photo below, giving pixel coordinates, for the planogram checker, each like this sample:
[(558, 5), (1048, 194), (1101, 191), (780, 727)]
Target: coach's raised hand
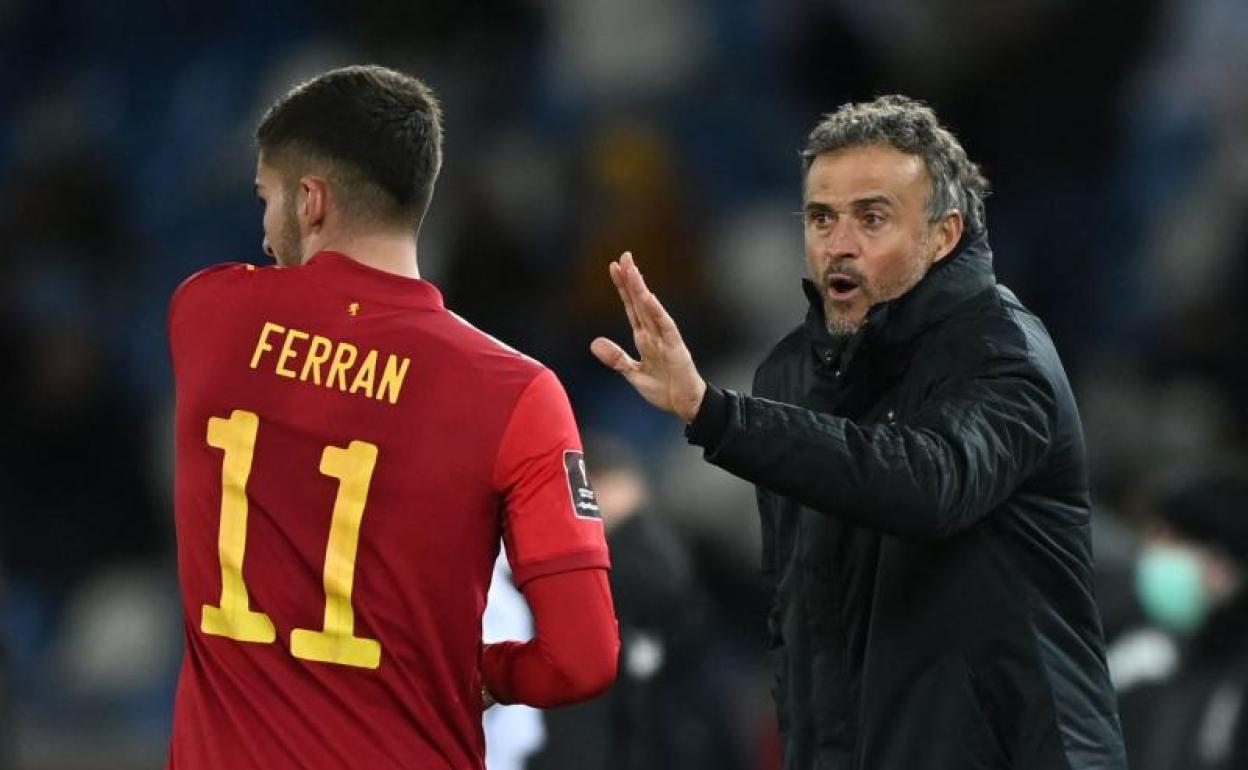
[(665, 376)]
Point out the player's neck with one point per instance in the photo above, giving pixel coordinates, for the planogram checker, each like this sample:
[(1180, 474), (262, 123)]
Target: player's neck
[(390, 253)]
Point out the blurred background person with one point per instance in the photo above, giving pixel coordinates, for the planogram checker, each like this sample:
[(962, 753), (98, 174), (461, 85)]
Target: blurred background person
[(1183, 686)]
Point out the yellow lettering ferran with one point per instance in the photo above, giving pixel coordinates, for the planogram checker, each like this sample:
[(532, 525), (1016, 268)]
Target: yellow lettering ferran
[(392, 378), (262, 344), (318, 353), (289, 352)]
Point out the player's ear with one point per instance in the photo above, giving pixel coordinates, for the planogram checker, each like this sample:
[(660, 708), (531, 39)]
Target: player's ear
[(313, 200)]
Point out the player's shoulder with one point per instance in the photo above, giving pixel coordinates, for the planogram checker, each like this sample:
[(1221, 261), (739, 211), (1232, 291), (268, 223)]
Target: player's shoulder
[(993, 326), (213, 283), (485, 350)]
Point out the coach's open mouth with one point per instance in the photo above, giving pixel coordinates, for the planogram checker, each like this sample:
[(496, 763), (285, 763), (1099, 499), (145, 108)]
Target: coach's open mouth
[(842, 287)]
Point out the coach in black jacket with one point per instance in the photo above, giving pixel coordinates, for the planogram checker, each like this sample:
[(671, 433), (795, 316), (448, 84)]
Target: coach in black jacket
[(920, 471)]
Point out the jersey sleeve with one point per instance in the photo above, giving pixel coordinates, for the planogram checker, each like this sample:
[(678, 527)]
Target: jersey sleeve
[(576, 651), (194, 294), (551, 521)]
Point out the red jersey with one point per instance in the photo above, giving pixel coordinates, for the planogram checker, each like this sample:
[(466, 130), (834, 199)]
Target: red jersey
[(349, 454)]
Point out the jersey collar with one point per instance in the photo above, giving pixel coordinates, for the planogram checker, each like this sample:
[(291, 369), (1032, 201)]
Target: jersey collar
[(347, 274)]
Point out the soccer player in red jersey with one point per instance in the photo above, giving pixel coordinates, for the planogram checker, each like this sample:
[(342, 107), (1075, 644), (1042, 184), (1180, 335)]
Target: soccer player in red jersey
[(349, 454)]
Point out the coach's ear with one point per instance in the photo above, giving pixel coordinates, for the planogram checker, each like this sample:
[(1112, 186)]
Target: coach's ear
[(947, 232), (312, 204)]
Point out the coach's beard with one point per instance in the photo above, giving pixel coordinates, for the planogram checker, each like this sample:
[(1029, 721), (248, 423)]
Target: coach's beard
[(845, 322), (843, 317), (840, 327)]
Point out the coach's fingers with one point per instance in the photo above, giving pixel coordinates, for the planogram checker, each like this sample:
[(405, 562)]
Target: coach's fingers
[(620, 279), (613, 356), (663, 323), (638, 290)]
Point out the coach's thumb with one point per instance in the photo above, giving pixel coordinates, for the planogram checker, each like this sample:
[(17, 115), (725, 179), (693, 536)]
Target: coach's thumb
[(612, 355)]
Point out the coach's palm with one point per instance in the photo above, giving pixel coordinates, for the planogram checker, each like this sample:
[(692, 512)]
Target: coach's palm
[(665, 374)]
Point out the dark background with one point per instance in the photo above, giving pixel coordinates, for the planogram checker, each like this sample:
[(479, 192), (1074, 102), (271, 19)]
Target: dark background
[(1115, 134)]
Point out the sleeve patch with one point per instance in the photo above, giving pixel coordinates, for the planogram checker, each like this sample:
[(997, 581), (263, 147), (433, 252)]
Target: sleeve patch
[(584, 502)]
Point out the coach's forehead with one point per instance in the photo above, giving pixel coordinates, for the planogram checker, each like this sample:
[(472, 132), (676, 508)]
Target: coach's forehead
[(850, 173)]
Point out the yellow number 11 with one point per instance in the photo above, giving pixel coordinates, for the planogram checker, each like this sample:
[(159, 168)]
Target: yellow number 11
[(336, 642)]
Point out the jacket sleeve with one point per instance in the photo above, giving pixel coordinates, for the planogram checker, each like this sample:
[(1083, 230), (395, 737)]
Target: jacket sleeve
[(975, 439)]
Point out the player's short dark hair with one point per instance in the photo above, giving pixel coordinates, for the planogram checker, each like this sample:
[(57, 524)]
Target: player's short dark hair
[(375, 133), (910, 126)]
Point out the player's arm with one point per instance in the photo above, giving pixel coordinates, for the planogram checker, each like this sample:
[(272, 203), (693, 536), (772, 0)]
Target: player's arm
[(559, 559), (574, 654)]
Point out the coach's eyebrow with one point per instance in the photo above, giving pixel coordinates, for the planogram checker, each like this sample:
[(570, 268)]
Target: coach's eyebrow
[(873, 200)]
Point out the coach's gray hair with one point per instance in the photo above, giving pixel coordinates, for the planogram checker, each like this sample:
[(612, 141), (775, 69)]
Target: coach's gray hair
[(910, 126)]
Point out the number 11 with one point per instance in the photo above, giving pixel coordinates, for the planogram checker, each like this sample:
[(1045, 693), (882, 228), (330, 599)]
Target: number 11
[(336, 642)]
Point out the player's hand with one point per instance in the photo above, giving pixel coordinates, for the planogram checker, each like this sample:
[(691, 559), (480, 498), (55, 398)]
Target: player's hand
[(665, 376)]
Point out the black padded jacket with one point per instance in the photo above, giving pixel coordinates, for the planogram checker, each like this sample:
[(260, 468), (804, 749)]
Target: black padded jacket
[(924, 500)]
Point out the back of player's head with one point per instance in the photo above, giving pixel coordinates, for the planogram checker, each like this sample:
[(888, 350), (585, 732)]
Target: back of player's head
[(374, 133)]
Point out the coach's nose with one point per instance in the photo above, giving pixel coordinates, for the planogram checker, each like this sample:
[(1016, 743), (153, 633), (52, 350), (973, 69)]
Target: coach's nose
[(267, 248), (842, 241)]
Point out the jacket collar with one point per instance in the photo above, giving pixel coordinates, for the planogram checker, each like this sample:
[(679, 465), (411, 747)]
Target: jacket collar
[(955, 279)]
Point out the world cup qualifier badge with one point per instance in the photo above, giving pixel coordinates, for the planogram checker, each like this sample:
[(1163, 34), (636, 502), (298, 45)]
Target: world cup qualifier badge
[(584, 503)]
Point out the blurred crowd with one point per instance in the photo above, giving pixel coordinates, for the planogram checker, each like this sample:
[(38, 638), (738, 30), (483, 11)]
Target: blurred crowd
[(1115, 134)]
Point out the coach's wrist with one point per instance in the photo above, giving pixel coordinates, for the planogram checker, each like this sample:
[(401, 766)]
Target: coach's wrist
[(688, 410)]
